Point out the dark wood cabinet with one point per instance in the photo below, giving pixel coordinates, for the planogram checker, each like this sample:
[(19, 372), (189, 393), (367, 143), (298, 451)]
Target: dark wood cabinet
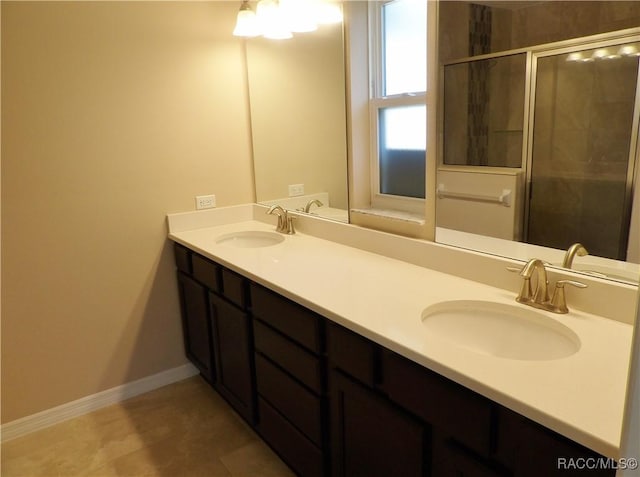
[(231, 337), (217, 329), (291, 380), (196, 325), (532, 450), (379, 398), (450, 459), (306, 459), (371, 437), (292, 320), (353, 354), (442, 403), (332, 402)]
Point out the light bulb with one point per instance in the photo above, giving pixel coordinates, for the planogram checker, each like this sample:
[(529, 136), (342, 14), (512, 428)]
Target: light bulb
[(299, 15), (272, 20), (600, 53), (246, 23), (328, 12), (628, 50)]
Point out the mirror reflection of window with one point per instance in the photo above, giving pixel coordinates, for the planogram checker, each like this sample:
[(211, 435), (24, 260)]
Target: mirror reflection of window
[(405, 47), (403, 137), (398, 103)]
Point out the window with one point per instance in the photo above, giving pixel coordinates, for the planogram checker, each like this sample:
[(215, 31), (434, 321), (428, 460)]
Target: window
[(398, 46)]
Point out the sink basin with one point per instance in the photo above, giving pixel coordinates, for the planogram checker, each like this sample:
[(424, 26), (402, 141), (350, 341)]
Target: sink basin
[(501, 330), (250, 239)]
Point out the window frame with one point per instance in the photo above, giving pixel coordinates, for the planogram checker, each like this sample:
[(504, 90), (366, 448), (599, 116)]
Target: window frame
[(378, 101)]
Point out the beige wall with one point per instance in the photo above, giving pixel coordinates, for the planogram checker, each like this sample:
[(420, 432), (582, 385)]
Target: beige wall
[(113, 114)]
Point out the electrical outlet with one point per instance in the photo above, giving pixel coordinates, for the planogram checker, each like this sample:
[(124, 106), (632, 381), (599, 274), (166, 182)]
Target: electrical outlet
[(205, 201), (296, 189)]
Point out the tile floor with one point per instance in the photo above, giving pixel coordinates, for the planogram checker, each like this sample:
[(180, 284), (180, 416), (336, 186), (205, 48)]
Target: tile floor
[(181, 430)]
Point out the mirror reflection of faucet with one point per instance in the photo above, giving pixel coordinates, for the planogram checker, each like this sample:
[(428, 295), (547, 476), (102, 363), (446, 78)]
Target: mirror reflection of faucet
[(575, 249), (540, 297), (310, 203)]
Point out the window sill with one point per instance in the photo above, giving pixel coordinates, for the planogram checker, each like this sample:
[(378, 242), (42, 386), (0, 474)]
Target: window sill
[(407, 217)]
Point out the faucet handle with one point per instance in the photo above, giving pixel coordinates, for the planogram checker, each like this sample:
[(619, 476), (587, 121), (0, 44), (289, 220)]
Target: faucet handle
[(526, 293), (559, 299), (575, 283), (282, 216)]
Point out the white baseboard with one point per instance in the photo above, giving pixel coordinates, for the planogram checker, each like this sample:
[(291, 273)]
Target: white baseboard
[(85, 405)]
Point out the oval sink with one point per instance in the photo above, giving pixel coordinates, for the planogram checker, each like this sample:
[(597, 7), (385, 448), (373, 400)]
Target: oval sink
[(250, 239), (497, 329)]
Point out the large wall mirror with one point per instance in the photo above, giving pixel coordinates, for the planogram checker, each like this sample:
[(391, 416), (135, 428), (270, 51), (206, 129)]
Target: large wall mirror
[(539, 132), (298, 121)]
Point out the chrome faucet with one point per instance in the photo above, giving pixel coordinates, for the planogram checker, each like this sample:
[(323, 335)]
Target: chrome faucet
[(310, 203), (285, 222), (575, 249), (540, 298)]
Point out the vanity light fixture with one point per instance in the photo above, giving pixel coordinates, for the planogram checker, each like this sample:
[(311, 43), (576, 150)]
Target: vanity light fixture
[(628, 50), (299, 15), (605, 54), (600, 53), (273, 21), (277, 19), (328, 12), (247, 24), (576, 56)]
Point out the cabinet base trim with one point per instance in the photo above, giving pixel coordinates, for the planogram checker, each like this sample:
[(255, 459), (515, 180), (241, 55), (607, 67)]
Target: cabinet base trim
[(85, 405)]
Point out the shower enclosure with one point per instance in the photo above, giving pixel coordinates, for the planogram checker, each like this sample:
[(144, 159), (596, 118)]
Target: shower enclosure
[(566, 115)]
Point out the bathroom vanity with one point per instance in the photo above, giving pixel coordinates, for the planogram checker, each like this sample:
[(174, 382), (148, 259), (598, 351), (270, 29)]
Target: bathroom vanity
[(322, 349)]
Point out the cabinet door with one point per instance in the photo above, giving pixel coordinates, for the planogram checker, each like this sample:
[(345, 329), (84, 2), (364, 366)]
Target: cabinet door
[(371, 437), (232, 338), (461, 413), (196, 325)]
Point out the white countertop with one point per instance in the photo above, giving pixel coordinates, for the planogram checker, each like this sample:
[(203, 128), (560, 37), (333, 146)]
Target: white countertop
[(581, 396)]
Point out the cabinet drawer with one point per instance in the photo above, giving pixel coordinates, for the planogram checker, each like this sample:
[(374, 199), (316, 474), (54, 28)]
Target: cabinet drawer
[(234, 288), (351, 353), (293, 320), (298, 362), (206, 272), (183, 258), (459, 412), (289, 443), (298, 405)]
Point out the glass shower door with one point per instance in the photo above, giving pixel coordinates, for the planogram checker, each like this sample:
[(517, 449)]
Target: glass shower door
[(583, 149)]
